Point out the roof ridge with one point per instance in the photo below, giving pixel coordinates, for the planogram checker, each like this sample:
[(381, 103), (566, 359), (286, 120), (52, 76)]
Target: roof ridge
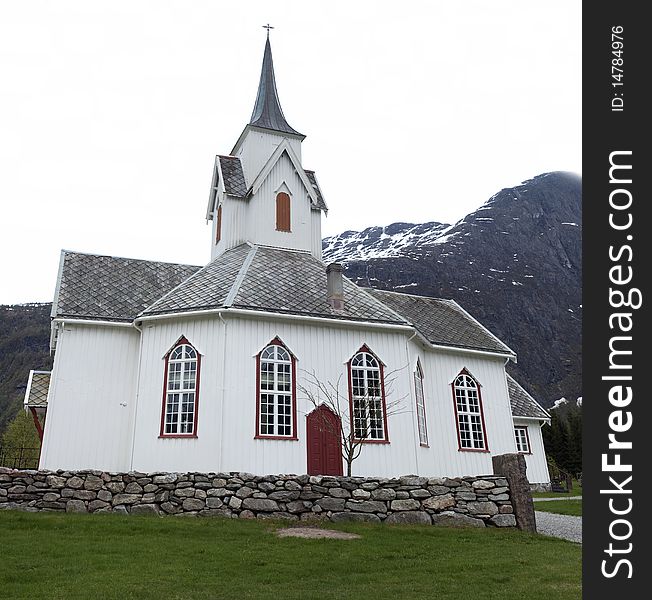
[(406, 294), (509, 377), (147, 260), (493, 335), (364, 291), (195, 274), (235, 288)]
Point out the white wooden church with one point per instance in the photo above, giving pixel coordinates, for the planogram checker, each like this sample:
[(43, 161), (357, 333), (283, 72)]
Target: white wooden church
[(172, 367)]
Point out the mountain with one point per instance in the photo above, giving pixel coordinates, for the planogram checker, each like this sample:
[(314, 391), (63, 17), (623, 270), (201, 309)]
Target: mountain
[(515, 264), (24, 345)]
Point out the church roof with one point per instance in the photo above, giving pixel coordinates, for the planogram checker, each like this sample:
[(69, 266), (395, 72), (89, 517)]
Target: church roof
[(259, 278), (442, 322), (108, 288), (523, 405), (271, 280), (234, 181), (267, 111), (313, 181)]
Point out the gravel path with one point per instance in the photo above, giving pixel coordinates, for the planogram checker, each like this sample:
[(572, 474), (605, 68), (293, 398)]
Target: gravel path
[(561, 526)]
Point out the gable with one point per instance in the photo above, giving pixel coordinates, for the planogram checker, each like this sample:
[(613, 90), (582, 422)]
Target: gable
[(285, 150), (228, 177)]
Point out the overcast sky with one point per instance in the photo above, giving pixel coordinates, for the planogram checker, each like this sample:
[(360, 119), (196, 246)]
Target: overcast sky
[(111, 114)]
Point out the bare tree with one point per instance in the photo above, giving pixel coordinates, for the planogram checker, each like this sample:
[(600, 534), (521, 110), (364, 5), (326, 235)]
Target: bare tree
[(360, 419)]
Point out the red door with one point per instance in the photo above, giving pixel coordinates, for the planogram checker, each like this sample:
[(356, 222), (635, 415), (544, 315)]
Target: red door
[(324, 444)]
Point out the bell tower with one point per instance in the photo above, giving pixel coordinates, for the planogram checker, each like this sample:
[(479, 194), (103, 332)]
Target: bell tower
[(260, 192)]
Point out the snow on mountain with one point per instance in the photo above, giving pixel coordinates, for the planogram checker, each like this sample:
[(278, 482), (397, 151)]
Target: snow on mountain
[(397, 239)]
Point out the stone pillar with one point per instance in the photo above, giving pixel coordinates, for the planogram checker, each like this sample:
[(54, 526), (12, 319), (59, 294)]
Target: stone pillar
[(512, 467)]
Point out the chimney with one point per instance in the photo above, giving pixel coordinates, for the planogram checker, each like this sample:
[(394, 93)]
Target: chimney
[(335, 286)]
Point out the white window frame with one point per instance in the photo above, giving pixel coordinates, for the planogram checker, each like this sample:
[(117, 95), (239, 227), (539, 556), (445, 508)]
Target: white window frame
[(421, 405), (367, 409), (470, 418), (276, 393), (522, 438), (181, 391)]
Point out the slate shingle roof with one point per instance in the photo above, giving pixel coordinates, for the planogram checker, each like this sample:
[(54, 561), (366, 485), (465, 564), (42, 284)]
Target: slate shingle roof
[(523, 405), (441, 322), (207, 288), (321, 204), (38, 386), (109, 288), (254, 278), (234, 181), (272, 280)]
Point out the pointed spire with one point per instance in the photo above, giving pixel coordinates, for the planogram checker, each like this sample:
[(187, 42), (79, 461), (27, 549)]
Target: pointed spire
[(267, 110)]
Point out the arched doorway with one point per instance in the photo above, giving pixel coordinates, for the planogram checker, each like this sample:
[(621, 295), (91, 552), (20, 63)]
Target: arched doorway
[(324, 444)]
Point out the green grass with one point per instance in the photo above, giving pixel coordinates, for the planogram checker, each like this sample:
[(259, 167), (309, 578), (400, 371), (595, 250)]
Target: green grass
[(107, 556), (576, 491), (561, 507)]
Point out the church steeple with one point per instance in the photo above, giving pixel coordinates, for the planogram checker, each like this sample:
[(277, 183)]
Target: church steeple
[(260, 193), (267, 110)]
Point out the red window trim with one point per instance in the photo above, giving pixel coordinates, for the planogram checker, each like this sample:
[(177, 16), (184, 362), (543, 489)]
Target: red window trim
[(527, 437), (218, 225), (484, 450), (182, 340), (259, 436), (365, 348), (423, 395)]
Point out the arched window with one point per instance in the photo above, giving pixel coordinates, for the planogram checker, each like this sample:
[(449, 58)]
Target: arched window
[(181, 391), (421, 405), (276, 401), (367, 397), (218, 225), (471, 432), (282, 212)]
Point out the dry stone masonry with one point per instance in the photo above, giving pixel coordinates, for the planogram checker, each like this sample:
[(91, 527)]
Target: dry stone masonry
[(467, 501)]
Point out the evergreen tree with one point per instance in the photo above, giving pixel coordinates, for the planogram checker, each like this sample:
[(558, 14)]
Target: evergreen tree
[(20, 443)]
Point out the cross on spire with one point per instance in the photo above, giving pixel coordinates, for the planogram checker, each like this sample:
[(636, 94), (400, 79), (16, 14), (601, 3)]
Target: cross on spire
[(268, 27)]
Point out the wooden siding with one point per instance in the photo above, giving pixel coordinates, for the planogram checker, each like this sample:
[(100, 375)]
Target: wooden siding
[(256, 147), (261, 210), (443, 457), (315, 220), (202, 453), (234, 226), (227, 410), (92, 400), (537, 465)]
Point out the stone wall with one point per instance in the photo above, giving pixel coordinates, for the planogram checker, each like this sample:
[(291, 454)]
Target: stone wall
[(467, 501)]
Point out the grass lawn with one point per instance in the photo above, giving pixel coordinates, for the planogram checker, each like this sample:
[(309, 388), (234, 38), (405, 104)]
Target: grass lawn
[(50, 555), (561, 507), (576, 491)]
